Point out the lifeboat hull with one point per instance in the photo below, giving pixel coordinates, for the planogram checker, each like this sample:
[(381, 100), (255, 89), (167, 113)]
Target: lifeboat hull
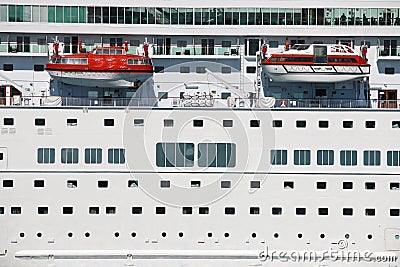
[(314, 73), (100, 79)]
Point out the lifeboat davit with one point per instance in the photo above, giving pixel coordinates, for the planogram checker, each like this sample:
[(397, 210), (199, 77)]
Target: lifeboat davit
[(315, 63), (103, 67)]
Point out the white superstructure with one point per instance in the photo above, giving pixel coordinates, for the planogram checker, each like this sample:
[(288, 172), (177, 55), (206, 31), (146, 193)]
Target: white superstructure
[(212, 162)]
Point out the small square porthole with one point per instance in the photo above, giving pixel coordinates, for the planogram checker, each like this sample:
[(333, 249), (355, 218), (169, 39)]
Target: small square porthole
[(321, 185), (370, 124), (8, 121), (396, 124), (187, 210), (72, 184), (227, 123), (347, 185), (288, 185), (102, 184), (204, 210), (347, 124), (301, 124), (111, 210), (225, 184), (323, 124), (394, 186), (347, 212), (255, 184), (38, 183), (254, 210), (195, 183), (277, 123), (133, 183), (138, 122), (94, 210), (108, 122), (369, 186), (229, 210), (137, 210), (197, 123), (168, 123), (160, 210), (72, 122), (165, 184), (8, 183), (40, 122), (254, 123)]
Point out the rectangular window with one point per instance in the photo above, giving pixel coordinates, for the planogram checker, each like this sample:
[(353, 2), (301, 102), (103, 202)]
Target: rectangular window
[(229, 210), (347, 124), (389, 71), (174, 154), (133, 183), (43, 210), (165, 184), (8, 121), (323, 211), (323, 124), (138, 122), (204, 210), (276, 211), (94, 210), (254, 123), (46, 155), (69, 155), (16, 210), (160, 210), (40, 122), (393, 158), (187, 210), (325, 157), (301, 124), (394, 186), (168, 123), (67, 210), (254, 210), (108, 122), (370, 124), (217, 155), (197, 123), (300, 211), (255, 184), (8, 67), (347, 212), (251, 69), (321, 185), (369, 212), (278, 157), (184, 69), (38, 183), (227, 123), (38, 67), (277, 123), (93, 155), (372, 158), (348, 157), (111, 210), (116, 155), (302, 157), (137, 210), (8, 183), (72, 122)]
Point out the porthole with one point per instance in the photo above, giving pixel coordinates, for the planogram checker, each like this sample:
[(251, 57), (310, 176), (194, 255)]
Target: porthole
[(322, 236), (39, 235), (70, 234), (164, 234), (300, 235), (397, 237), (133, 234), (87, 234), (253, 235), (226, 235), (22, 234), (180, 234), (116, 234), (369, 236), (347, 236), (209, 234), (276, 235)]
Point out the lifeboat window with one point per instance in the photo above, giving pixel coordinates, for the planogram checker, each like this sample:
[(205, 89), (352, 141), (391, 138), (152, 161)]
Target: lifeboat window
[(137, 210), (8, 121), (204, 210), (84, 61), (53, 60), (112, 52), (130, 61), (38, 183), (229, 210), (106, 51), (119, 51), (255, 210), (58, 60), (63, 61), (99, 51)]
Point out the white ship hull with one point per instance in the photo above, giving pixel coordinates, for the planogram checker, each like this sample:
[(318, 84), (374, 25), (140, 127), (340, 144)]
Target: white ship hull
[(314, 73), (99, 79)]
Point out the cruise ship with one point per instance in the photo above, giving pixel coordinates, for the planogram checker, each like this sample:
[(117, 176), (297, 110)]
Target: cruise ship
[(199, 133)]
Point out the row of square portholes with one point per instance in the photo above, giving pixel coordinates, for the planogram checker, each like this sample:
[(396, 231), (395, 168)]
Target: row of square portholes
[(320, 185), (200, 123), (253, 235)]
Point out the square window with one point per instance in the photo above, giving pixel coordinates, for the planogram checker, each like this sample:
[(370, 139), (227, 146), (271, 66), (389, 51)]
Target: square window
[(227, 123), (68, 210), (394, 186), (72, 184), (323, 124), (254, 123), (195, 183), (138, 122), (160, 210), (8, 183), (72, 122), (301, 124), (347, 185), (394, 212), (168, 123), (204, 210), (8, 121), (40, 122), (255, 184), (321, 185), (225, 184), (370, 186), (197, 123), (165, 184), (370, 124), (347, 212), (108, 122), (229, 210), (111, 210), (133, 183), (43, 210), (300, 211), (288, 185), (347, 124), (38, 183), (102, 184), (277, 123), (254, 210), (94, 210), (16, 210), (276, 211), (323, 211), (369, 212), (187, 210), (137, 210)]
